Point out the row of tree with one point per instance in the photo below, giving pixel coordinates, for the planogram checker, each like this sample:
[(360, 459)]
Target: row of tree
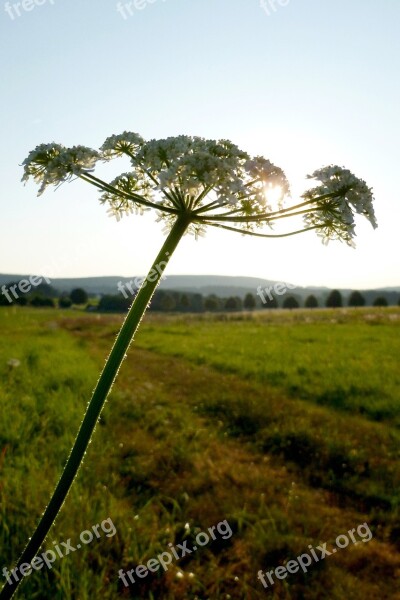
[(334, 300), (171, 301), (44, 295)]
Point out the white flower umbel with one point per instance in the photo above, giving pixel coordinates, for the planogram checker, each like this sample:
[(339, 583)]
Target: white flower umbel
[(213, 182), (340, 196), (53, 163)]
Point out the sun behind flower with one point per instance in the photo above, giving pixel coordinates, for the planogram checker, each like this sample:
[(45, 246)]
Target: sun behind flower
[(213, 182)]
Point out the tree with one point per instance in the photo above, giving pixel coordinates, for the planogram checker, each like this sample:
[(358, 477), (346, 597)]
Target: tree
[(45, 290), (114, 303), (21, 301), (6, 297), (65, 302), (380, 301), (290, 302), (39, 301), (311, 302), (168, 303), (356, 299), (4, 301), (184, 303), (270, 302), (79, 296), (334, 299), (249, 302), (197, 303), (232, 303), (212, 303)]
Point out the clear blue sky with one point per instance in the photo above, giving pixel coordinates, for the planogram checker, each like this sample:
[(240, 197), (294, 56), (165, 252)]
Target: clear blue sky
[(311, 83)]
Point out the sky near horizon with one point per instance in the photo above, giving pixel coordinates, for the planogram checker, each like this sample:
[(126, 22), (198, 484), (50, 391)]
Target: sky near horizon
[(305, 83)]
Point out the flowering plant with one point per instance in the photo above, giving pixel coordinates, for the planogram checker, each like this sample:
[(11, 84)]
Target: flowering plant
[(192, 183), (212, 182)]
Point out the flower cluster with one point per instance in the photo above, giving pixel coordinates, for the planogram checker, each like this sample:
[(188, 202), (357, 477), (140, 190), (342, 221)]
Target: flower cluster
[(189, 171), (213, 182), (340, 195), (192, 164), (125, 143), (261, 169), (52, 163), (120, 196)]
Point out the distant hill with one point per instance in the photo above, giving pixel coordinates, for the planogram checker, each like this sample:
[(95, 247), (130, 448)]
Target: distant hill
[(220, 285)]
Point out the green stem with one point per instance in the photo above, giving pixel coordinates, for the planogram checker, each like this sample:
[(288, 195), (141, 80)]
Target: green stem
[(106, 187), (262, 216), (264, 235), (100, 394)]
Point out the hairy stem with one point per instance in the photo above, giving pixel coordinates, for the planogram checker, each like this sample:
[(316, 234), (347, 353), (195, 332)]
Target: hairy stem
[(99, 397)]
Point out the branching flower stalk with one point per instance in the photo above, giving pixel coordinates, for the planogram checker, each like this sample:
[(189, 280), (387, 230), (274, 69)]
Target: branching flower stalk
[(192, 183)]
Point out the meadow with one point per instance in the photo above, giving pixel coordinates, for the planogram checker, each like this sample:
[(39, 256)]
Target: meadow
[(284, 423)]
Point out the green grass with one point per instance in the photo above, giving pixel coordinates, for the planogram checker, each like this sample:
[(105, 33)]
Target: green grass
[(284, 423), (346, 360)]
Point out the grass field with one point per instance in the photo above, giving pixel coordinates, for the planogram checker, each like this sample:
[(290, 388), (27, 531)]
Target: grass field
[(284, 423)]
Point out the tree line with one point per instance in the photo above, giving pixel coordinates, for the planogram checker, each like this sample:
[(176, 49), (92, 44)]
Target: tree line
[(45, 295), (174, 301)]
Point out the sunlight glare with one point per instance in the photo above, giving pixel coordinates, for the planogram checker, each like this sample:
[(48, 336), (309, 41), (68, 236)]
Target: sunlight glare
[(273, 193)]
